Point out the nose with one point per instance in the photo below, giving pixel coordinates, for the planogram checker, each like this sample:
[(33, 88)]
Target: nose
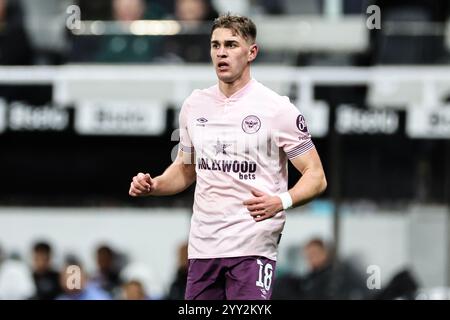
[(221, 52)]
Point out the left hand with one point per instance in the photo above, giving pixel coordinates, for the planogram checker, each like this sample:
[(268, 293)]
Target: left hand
[(263, 206)]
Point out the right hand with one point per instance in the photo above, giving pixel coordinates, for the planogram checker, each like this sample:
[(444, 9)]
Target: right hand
[(142, 185)]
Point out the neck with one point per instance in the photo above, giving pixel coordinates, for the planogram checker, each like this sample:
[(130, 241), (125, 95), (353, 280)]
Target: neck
[(229, 88)]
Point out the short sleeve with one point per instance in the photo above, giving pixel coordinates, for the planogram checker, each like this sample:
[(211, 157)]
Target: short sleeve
[(185, 139), (291, 131)]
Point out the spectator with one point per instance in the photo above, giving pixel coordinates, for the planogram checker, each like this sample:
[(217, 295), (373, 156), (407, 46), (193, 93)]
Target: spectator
[(120, 48), (196, 11), (16, 281), (178, 285), (134, 290), (107, 275), (130, 48), (195, 14), (144, 274), (45, 277), (402, 286), (329, 277)]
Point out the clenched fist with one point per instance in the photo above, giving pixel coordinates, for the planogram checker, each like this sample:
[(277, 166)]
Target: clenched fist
[(142, 185)]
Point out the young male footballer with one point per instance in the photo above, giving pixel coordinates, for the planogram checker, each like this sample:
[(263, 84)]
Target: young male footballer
[(240, 135)]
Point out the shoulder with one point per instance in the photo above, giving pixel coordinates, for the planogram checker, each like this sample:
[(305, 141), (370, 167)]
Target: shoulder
[(275, 100), (199, 95)]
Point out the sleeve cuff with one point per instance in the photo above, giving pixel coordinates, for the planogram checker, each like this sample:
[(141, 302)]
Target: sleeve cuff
[(186, 148), (300, 149)]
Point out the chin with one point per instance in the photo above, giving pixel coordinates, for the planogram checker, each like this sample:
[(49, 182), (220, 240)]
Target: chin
[(225, 78)]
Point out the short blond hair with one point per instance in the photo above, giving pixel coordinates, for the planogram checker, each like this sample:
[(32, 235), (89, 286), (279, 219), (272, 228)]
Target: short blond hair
[(240, 25)]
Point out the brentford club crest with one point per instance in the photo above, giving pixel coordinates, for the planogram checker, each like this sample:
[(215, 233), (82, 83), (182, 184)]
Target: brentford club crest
[(251, 124)]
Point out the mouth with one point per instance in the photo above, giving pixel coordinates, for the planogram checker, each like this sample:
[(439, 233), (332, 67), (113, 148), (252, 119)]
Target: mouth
[(223, 66)]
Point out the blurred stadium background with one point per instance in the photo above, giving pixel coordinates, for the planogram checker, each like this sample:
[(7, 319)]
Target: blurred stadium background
[(86, 104)]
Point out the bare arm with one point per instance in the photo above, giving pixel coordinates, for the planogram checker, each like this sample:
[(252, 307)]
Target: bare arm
[(176, 178), (311, 184)]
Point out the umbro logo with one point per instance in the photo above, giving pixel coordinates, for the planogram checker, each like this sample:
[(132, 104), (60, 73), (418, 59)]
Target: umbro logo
[(201, 121)]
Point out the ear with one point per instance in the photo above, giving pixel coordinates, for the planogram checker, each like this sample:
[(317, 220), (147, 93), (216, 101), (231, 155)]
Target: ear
[(253, 52)]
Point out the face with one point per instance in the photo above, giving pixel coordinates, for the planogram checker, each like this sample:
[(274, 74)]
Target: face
[(104, 260), (41, 261), (128, 10), (231, 55), (316, 256), (190, 10), (134, 291)]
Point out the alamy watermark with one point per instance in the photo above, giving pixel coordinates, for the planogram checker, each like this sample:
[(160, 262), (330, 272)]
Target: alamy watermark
[(374, 280), (73, 277), (73, 21), (374, 19)]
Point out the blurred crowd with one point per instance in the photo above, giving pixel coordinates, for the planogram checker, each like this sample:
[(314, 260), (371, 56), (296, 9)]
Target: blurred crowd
[(327, 277), (36, 32), (114, 277)]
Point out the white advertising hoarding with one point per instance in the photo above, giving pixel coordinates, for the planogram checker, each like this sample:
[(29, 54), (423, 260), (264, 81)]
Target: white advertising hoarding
[(120, 118), (428, 123)]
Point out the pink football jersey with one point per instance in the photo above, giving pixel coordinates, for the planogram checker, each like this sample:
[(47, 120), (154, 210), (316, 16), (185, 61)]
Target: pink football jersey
[(241, 143)]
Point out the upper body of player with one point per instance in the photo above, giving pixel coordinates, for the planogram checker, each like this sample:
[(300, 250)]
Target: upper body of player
[(236, 138)]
